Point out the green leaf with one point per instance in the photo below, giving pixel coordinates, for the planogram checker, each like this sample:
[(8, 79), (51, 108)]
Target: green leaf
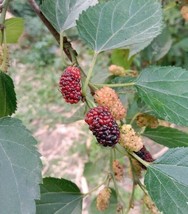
[(112, 205), (167, 183), (159, 46), (129, 24), (48, 8), (167, 136), (62, 14), (183, 44), (20, 168), (7, 95), (14, 29), (165, 90), (59, 196)]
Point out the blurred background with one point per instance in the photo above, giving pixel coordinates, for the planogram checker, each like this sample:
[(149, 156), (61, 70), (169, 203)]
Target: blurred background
[(67, 147)]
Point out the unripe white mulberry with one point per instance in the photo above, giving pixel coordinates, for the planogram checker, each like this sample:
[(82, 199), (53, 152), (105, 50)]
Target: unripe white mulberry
[(129, 139)]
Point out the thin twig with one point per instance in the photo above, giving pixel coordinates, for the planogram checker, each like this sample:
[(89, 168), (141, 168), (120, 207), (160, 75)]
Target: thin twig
[(67, 47)]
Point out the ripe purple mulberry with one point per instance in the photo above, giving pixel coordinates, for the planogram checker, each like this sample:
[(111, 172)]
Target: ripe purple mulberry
[(145, 154), (103, 126), (70, 85)]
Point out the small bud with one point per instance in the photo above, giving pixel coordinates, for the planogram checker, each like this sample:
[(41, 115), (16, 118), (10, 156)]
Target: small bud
[(147, 120), (120, 71), (118, 170), (103, 199), (117, 70), (150, 205), (119, 208)]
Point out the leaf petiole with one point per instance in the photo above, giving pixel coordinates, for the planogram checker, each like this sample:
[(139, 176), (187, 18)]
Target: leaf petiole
[(89, 73), (116, 85), (146, 164)]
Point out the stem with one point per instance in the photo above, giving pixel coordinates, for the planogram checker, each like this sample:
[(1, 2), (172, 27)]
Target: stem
[(61, 49), (112, 156), (123, 153), (89, 73), (4, 10), (146, 164), (133, 119), (37, 10), (116, 85), (2, 18), (96, 188), (2, 4), (89, 103), (131, 201), (143, 188)]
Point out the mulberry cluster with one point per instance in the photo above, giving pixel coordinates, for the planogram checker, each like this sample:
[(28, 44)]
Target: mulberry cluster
[(147, 120), (118, 170), (103, 199), (103, 126), (108, 97), (129, 139), (70, 85)]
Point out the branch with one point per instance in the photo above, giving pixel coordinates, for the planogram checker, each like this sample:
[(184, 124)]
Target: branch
[(67, 47)]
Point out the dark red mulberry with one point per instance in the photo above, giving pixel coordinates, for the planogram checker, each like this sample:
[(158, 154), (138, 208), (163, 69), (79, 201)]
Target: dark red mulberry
[(145, 154), (70, 85), (103, 126)]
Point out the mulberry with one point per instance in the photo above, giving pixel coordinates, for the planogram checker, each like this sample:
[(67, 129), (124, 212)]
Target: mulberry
[(103, 126), (120, 71), (107, 97), (117, 70), (4, 58), (129, 139), (103, 199), (147, 120), (184, 12), (70, 85), (145, 154), (118, 170), (150, 205)]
